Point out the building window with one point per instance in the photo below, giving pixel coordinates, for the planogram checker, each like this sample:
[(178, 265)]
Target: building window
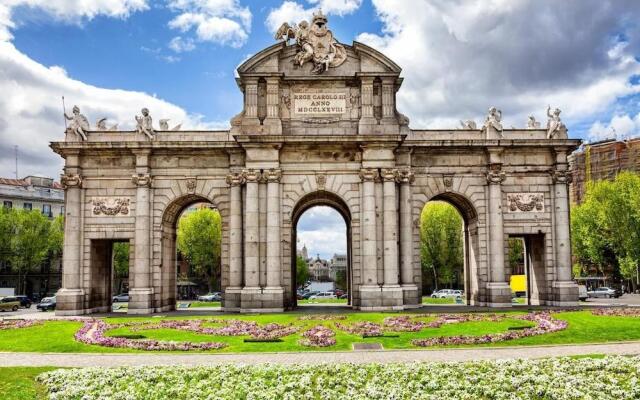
[(46, 210), (61, 210), (27, 206), (8, 204)]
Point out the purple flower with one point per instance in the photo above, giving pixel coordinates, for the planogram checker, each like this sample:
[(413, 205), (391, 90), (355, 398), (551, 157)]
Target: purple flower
[(318, 336)]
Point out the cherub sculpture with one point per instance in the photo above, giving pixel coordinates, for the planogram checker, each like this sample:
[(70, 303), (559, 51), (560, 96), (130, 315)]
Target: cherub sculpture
[(494, 120), (144, 123), (468, 124), (554, 124), (79, 123), (316, 43), (532, 123), (164, 124)]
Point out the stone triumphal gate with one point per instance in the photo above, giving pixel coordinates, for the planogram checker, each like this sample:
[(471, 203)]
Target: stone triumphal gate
[(319, 127)]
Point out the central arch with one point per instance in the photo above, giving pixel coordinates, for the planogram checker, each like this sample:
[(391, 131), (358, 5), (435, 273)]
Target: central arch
[(320, 198)]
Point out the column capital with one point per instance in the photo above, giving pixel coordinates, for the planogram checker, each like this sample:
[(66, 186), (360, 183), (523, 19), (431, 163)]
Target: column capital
[(272, 175), (251, 175), (141, 180), (389, 174), (405, 175), (71, 181), (369, 174), (495, 174), (235, 179), (561, 176)]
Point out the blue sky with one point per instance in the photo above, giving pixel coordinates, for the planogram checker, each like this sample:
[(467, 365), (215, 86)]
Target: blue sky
[(177, 57)]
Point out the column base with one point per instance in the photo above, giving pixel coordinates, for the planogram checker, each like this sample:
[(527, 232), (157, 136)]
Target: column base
[(256, 299), (411, 295), (70, 302), (392, 296), (140, 301), (232, 297), (499, 294), (370, 297), (565, 294)]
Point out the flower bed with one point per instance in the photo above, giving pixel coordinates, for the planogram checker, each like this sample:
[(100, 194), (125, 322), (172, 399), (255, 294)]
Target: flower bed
[(318, 336), (18, 323), (617, 312), (231, 327), (558, 378), (322, 317), (364, 328), (92, 332), (403, 323), (545, 323)]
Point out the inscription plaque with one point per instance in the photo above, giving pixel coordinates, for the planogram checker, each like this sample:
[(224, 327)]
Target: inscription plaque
[(319, 103)]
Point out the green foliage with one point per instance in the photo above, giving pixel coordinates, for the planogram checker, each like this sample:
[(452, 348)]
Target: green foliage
[(606, 226), (341, 279), (29, 243), (121, 259), (7, 229), (516, 252), (199, 237), (302, 270), (441, 242), (56, 236)]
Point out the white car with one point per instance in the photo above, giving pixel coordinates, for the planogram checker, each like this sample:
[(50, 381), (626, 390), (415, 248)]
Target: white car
[(447, 293), (323, 295)]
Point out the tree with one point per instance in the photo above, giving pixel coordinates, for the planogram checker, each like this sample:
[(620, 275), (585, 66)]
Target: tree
[(606, 226), (516, 253), (341, 279), (120, 264), (8, 223), (29, 244), (302, 271), (56, 236), (199, 235), (441, 247)]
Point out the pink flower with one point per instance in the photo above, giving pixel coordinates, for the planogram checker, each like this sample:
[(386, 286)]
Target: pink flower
[(318, 336)]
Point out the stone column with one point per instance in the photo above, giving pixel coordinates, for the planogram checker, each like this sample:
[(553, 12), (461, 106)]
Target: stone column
[(273, 294), (410, 289), (388, 91), (232, 292), (370, 291), (252, 231), (141, 294), (367, 119), (499, 290), (70, 298), (564, 288), (391, 290)]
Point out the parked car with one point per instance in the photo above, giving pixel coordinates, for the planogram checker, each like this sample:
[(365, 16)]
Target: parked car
[(24, 301), (48, 303), (212, 296), (121, 298), (308, 295), (447, 293), (323, 295), (582, 293), (344, 296), (9, 303), (602, 292)]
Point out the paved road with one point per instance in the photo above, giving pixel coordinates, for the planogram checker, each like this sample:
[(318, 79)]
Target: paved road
[(388, 356)]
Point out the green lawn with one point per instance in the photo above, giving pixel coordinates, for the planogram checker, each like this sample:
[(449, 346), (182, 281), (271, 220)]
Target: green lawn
[(431, 300), (57, 336), (200, 304), (18, 383)]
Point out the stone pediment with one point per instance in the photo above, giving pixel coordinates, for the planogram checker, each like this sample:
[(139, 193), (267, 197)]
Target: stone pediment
[(279, 59)]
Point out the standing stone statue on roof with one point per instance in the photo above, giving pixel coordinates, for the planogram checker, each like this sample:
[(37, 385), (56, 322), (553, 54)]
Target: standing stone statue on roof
[(144, 123), (79, 123), (554, 125), (316, 43)]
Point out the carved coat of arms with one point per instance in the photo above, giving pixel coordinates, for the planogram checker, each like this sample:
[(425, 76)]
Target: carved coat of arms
[(316, 43)]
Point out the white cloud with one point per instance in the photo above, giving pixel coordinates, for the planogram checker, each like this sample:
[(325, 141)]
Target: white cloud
[(294, 12), (461, 57), (69, 11), (224, 22), (620, 126), (180, 45), (31, 110), (323, 230)]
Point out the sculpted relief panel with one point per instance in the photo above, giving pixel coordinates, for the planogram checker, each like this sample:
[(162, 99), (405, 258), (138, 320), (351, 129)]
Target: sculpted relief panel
[(110, 206), (525, 202)]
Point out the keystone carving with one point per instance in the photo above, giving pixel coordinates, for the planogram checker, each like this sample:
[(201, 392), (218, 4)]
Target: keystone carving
[(321, 181), (191, 185), (111, 207), (141, 180), (525, 202), (71, 181), (448, 181)]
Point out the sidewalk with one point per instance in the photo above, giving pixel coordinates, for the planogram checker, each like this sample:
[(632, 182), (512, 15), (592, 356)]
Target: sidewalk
[(390, 356)]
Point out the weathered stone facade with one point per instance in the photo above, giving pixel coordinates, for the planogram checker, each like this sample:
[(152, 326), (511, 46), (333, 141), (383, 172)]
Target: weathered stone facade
[(333, 138)]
